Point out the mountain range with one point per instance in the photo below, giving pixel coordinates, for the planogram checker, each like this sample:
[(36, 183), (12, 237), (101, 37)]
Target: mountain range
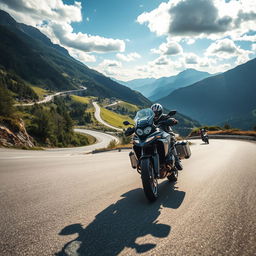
[(229, 97), (30, 55), (154, 89)]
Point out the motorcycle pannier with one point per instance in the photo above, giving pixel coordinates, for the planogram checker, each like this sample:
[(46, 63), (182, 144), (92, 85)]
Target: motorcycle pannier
[(134, 161), (183, 149)]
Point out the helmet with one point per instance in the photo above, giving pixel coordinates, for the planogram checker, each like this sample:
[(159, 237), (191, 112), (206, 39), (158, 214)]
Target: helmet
[(158, 110)]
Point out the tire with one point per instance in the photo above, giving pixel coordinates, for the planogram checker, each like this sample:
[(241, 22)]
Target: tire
[(149, 183), (173, 177)]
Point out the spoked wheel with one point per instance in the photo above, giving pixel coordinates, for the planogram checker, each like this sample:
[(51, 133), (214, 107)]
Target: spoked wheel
[(149, 182), (173, 176)]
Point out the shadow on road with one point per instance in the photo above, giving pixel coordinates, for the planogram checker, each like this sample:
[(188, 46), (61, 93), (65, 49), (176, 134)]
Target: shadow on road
[(119, 225)]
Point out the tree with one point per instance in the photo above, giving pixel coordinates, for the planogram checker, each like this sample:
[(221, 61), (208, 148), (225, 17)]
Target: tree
[(6, 102)]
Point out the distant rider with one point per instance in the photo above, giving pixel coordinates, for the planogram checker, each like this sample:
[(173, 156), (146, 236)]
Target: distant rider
[(160, 117), (202, 132)]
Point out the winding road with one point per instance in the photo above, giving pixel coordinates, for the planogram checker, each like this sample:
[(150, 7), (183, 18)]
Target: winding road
[(50, 97), (99, 119), (64, 203)]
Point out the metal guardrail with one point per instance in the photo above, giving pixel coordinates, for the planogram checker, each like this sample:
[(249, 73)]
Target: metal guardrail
[(217, 136)]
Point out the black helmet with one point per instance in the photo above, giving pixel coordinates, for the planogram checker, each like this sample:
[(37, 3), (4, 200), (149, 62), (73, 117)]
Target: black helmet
[(158, 110)]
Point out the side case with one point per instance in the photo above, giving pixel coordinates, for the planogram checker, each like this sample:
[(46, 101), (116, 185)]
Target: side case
[(183, 149)]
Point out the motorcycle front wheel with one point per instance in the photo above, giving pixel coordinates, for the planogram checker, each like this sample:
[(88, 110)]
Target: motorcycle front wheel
[(149, 182)]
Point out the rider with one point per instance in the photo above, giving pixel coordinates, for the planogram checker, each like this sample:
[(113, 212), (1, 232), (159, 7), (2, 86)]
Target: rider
[(159, 117), (202, 132)]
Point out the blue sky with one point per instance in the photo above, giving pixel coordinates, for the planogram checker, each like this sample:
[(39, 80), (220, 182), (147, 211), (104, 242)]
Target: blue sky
[(146, 38)]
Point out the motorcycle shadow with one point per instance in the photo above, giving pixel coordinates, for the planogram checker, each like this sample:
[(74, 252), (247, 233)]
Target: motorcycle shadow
[(120, 224)]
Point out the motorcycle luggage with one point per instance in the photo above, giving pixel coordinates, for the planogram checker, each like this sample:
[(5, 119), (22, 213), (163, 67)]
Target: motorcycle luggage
[(183, 149), (133, 159)]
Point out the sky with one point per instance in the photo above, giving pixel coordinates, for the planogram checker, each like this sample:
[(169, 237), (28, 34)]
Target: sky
[(132, 39)]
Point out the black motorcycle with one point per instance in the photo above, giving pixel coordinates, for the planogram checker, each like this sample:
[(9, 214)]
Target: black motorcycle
[(205, 138), (151, 146)]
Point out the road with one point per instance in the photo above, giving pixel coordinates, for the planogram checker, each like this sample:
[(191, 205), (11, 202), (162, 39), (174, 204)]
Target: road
[(75, 204), (49, 98), (99, 119)]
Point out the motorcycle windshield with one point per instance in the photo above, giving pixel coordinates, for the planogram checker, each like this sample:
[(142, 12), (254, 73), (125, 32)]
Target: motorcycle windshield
[(144, 116)]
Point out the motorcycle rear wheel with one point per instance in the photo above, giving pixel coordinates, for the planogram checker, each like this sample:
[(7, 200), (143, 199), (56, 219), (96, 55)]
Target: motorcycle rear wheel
[(149, 182)]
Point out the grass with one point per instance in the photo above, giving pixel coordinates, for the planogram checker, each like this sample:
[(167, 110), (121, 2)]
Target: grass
[(130, 107), (113, 118), (83, 100), (90, 138), (39, 91)]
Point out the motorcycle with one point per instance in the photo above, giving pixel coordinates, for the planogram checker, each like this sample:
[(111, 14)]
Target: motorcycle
[(151, 146), (205, 138)]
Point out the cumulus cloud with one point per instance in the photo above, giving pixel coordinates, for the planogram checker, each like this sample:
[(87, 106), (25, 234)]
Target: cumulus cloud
[(35, 11), (84, 42), (128, 57), (201, 18), (226, 49), (54, 18), (191, 58), (168, 48), (81, 56)]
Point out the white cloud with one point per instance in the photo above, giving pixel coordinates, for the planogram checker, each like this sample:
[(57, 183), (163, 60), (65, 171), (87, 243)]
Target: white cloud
[(128, 57), (54, 18), (191, 58), (157, 20), (168, 48), (226, 49), (200, 18), (81, 56), (84, 42), (35, 11), (254, 47)]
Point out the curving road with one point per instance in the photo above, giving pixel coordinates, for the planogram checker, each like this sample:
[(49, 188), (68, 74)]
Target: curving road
[(99, 119), (61, 204), (49, 98)]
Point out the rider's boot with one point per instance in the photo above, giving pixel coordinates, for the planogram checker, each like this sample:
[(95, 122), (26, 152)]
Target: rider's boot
[(178, 163)]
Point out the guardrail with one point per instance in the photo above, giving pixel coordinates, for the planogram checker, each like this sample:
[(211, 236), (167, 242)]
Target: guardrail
[(233, 137)]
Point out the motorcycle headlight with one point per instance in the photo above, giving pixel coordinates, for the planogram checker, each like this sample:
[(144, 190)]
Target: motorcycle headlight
[(147, 130), (139, 132)]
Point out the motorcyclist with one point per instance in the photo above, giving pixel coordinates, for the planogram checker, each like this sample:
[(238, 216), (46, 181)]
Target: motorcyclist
[(160, 118), (203, 132)]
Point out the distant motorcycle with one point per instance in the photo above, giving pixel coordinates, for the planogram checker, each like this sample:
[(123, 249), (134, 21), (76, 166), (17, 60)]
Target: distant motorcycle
[(150, 149), (205, 138)]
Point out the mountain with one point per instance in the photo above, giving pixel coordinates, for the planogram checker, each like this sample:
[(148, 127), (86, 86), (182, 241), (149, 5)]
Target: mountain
[(136, 84), (166, 85), (30, 55), (225, 98)]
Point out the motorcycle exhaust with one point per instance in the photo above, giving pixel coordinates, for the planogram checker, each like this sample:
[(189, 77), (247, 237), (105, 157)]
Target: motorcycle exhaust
[(134, 160)]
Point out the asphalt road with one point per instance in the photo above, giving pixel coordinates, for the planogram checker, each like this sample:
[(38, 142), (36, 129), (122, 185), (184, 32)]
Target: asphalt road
[(75, 204), (50, 97), (99, 119)]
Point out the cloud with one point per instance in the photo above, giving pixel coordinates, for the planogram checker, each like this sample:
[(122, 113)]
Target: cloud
[(226, 49), (254, 47), (191, 58), (84, 42), (54, 18), (168, 48), (157, 20), (192, 17), (128, 57), (35, 11), (201, 18), (81, 56)]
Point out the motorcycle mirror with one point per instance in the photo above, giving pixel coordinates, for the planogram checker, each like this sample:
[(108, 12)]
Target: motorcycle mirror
[(126, 122), (172, 113)]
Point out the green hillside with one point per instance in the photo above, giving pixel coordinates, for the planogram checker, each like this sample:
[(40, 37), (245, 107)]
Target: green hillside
[(225, 98), (29, 54)]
